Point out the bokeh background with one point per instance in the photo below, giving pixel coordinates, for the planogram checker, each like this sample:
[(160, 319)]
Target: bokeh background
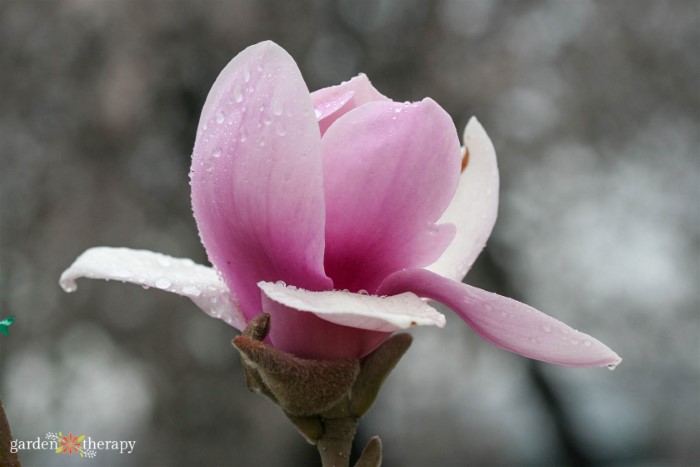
[(593, 107)]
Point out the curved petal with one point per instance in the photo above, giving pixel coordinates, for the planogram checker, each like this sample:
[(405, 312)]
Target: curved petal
[(308, 336), (374, 313), (390, 171), (199, 283), (474, 207), (257, 176), (333, 102), (505, 322)]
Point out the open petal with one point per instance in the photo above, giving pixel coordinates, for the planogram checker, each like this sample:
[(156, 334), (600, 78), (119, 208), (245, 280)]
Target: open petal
[(474, 207), (148, 269), (505, 322), (257, 176), (333, 102), (387, 314), (390, 171)]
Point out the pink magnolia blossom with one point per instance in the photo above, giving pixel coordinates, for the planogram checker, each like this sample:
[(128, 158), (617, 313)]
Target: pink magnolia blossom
[(339, 212)]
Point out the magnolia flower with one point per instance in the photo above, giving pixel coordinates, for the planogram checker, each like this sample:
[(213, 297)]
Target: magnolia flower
[(340, 213)]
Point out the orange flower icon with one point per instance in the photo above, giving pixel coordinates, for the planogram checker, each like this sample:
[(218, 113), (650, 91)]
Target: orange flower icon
[(69, 444)]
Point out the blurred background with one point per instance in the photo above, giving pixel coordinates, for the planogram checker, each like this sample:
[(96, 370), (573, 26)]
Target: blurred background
[(594, 110)]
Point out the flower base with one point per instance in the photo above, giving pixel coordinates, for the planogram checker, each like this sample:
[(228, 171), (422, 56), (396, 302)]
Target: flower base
[(324, 399)]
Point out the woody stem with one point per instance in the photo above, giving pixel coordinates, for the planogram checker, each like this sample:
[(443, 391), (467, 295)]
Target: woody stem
[(335, 443), (7, 457)]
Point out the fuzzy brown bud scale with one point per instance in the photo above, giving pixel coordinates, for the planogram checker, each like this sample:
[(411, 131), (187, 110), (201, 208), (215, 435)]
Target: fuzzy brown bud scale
[(324, 399)]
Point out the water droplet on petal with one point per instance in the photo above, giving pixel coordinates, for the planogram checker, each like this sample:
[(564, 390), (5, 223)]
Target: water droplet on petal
[(277, 108), (122, 273), (238, 94), (317, 113), (216, 153), (363, 292), (612, 367), (163, 283), (280, 129), (191, 290), (282, 283), (220, 117), (246, 74)]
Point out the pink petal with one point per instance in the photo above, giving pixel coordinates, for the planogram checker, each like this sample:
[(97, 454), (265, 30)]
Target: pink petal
[(199, 283), (474, 207), (308, 336), (387, 314), (257, 178), (333, 102), (390, 171), (505, 322)]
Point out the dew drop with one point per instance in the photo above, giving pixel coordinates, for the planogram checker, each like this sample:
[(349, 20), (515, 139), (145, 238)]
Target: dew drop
[(282, 283), (317, 113), (122, 273), (238, 94), (246, 74), (587, 343), (163, 283), (280, 129), (216, 153), (363, 292), (220, 117), (612, 367), (277, 108), (191, 290)]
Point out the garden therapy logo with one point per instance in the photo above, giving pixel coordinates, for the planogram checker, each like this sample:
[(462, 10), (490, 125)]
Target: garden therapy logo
[(70, 444)]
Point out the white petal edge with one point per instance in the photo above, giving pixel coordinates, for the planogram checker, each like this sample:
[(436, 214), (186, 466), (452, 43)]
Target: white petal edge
[(474, 207), (387, 314), (182, 276)]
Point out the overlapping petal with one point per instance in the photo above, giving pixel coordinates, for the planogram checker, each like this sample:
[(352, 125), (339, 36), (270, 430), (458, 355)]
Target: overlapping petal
[(474, 208), (257, 176), (390, 170), (362, 311), (199, 283), (333, 102), (505, 322)]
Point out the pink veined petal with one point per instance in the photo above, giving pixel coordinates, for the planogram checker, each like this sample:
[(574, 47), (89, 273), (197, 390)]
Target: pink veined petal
[(308, 336), (505, 322), (333, 102), (474, 207), (371, 312), (257, 176), (390, 171), (199, 283)]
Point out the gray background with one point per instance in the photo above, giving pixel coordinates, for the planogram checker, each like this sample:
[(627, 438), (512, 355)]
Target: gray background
[(593, 108)]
